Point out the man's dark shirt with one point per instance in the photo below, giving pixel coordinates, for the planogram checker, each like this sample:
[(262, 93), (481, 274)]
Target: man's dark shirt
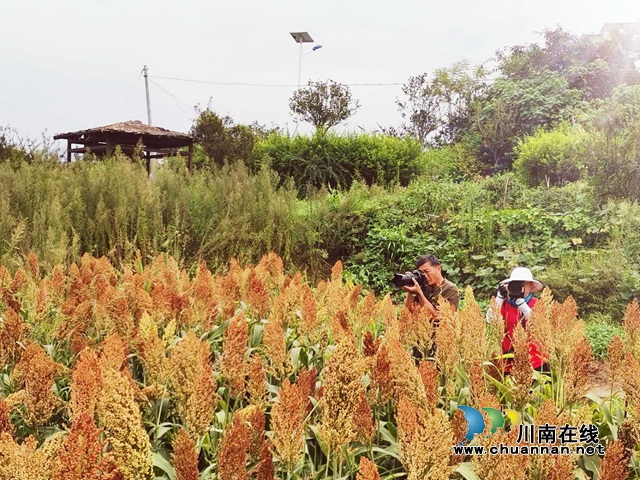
[(447, 290)]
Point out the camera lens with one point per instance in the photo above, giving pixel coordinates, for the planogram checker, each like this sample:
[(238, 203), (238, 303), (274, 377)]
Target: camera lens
[(515, 288)]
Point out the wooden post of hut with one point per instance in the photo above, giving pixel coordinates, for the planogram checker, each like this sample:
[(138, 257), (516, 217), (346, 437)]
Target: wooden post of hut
[(156, 142)]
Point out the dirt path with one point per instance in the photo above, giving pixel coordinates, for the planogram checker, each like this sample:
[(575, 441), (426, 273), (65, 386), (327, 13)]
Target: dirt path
[(599, 382)]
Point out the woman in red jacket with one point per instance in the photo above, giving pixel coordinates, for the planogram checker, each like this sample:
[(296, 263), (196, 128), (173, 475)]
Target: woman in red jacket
[(515, 302)]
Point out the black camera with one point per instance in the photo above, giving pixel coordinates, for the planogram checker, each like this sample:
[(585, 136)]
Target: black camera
[(516, 289), (406, 279)]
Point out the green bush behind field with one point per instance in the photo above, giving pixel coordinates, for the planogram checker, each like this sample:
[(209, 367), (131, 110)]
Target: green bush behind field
[(600, 330), (338, 161)]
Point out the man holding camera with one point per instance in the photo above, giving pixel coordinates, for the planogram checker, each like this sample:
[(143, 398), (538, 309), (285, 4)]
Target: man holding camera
[(515, 301), (429, 285), (426, 285)]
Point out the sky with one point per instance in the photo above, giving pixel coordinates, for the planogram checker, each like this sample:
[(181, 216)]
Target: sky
[(74, 64)]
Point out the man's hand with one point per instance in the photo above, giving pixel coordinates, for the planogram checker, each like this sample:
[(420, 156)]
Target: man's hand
[(415, 289), (502, 290)]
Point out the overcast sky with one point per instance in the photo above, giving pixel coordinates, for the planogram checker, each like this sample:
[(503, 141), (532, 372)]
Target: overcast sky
[(73, 64)]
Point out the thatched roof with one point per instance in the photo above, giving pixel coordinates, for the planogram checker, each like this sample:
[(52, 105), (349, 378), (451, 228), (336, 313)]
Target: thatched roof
[(130, 128)]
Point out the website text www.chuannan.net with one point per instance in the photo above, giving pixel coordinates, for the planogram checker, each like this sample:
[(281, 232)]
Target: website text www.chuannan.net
[(503, 449)]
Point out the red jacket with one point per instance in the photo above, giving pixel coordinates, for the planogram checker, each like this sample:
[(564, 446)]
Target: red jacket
[(511, 317)]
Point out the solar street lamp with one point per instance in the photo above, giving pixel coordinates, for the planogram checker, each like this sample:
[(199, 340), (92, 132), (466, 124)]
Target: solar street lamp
[(300, 38)]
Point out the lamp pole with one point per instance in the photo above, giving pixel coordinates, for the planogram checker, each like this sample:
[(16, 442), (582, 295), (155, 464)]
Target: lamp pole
[(301, 37), (316, 47), (300, 65)]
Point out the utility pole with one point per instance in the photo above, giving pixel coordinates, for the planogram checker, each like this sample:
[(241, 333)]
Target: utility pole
[(145, 70)]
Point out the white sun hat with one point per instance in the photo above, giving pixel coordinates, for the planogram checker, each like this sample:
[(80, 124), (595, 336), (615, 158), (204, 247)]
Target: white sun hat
[(523, 274)]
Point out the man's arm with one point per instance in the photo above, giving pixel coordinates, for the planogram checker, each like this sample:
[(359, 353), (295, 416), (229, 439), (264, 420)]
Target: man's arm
[(416, 290), (452, 296), (408, 302), (429, 306)]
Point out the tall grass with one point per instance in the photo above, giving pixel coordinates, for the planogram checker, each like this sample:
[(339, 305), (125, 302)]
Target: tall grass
[(111, 208)]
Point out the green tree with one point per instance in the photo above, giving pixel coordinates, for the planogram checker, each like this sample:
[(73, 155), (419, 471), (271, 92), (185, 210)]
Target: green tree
[(441, 111), (594, 65), (420, 110), (620, 111), (497, 123), (323, 104), (539, 101), (613, 150), (221, 139)]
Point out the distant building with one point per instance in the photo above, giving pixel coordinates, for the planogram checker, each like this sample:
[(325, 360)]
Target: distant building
[(609, 29)]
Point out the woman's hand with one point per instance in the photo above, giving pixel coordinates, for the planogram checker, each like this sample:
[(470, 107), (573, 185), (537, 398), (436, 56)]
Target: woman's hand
[(502, 290)]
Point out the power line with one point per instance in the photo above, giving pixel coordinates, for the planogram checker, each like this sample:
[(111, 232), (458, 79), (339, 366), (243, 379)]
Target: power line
[(178, 102), (129, 97), (377, 84), (273, 85)]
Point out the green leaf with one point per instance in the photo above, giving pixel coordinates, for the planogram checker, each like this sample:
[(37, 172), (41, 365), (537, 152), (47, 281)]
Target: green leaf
[(163, 464), (256, 335), (164, 428), (316, 434), (221, 416), (594, 398), (466, 470), (592, 464), (580, 474), (484, 271), (391, 450), (385, 433), (295, 353)]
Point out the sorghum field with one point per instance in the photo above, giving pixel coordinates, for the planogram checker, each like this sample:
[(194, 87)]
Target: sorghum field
[(145, 371)]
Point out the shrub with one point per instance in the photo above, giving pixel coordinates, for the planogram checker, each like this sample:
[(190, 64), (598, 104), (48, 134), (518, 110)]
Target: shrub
[(613, 163), (551, 157), (478, 229), (338, 161), (438, 163), (16, 149), (454, 162), (466, 225), (600, 330), (601, 281), (613, 150), (620, 111)]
